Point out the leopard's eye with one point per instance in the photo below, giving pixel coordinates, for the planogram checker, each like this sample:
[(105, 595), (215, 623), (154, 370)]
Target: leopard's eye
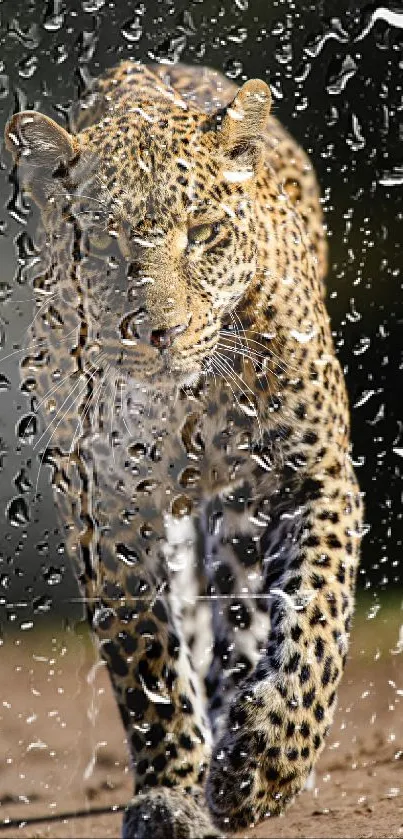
[(203, 234)]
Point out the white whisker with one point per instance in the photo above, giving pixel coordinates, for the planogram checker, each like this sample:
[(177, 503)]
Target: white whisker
[(56, 427), (224, 364), (80, 382), (114, 388), (123, 407), (53, 389), (91, 401)]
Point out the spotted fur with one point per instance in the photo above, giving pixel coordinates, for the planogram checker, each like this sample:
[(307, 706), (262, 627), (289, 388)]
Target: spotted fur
[(183, 365)]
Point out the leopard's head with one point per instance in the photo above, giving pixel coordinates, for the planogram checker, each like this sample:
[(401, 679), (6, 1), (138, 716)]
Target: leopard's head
[(158, 206)]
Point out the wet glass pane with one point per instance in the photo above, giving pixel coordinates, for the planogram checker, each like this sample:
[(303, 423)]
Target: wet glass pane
[(92, 248)]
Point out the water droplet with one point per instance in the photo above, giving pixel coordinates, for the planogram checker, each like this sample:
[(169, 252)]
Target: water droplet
[(394, 178), (37, 744), (27, 428), (28, 66), (315, 46), (28, 385), (303, 337), (215, 521), (357, 141), (4, 86), (353, 315), (22, 481), (92, 5), (41, 604), (5, 383), (6, 291), (53, 576), (157, 698), (132, 30), (233, 68), (146, 531), (17, 512), (126, 554), (393, 18), (28, 36), (237, 34), (50, 406), (128, 326), (169, 50), (362, 345), (54, 18), (340, 71), (156, 453), (284, 53), (146, 487), (189, 477), (35, 362), (186, 23), (365, 397), (181, 506), (137, 451), (60, 53)]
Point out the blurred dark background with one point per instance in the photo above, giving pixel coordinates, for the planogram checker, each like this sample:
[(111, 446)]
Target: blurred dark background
[(335, 69)]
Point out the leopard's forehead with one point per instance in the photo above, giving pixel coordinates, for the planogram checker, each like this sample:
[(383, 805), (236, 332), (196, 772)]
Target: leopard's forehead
[(146, 140), (159, 163)]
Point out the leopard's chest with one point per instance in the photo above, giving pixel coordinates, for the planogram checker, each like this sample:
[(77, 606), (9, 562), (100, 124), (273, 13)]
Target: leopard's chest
[(172, 449)]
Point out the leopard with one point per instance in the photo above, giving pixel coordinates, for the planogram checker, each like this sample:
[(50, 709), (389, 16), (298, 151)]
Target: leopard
[(196, 430)]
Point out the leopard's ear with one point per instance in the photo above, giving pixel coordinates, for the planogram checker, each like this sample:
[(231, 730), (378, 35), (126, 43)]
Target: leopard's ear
[(42, 148), (244, 122), (38, 141)]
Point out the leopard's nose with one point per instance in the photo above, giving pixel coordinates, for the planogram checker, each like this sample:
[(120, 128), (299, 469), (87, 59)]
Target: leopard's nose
[(162, 339)]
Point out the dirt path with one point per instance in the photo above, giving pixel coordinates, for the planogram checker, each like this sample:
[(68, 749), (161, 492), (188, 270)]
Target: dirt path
[(63, 750)]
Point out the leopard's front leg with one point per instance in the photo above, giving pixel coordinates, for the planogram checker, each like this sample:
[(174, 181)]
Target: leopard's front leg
[(279, 715), (135, 617)]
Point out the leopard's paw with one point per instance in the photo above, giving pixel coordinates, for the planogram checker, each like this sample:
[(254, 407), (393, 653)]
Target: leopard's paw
[(168, 814), (231, 784), (248, 782)]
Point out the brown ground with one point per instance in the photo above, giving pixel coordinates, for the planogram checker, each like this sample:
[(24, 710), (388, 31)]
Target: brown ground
[(63, 747)]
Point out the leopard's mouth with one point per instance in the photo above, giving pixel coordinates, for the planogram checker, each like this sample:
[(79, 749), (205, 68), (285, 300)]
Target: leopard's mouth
[(148, 367), (167, 371)]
